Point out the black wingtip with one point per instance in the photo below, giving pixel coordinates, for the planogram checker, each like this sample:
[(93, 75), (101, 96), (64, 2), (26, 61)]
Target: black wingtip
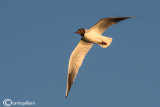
[(118, 19)]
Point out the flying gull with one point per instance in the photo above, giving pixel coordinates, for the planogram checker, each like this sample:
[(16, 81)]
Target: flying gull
[(89, 37)]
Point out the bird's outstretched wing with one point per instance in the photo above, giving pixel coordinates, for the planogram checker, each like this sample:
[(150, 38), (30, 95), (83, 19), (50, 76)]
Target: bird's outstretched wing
[(76, 60), (103, 24)]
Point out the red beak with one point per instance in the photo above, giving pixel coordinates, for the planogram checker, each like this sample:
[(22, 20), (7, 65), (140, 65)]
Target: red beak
[(76, 32)]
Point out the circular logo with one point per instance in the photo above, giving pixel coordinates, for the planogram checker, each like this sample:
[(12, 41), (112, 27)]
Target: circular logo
[(7, 102)]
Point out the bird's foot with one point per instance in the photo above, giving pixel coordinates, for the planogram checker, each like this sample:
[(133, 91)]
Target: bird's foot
[(103, 43)]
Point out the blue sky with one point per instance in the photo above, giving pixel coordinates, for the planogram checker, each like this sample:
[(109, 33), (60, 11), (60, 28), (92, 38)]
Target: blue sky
[(36, 40)]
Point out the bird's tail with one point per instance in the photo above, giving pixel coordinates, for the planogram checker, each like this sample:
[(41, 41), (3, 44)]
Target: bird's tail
[(106, 41)]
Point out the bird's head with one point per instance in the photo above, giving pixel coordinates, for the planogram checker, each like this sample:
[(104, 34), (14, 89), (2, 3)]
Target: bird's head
[(80, 31)]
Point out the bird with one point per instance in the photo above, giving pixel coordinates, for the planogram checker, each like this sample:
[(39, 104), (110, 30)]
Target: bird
[(88, 38)]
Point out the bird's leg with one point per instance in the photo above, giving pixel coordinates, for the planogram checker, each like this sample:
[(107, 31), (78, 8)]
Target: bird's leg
[(103, 43)]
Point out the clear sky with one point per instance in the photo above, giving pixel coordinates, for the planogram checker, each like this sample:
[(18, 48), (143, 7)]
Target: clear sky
[(37, 38)]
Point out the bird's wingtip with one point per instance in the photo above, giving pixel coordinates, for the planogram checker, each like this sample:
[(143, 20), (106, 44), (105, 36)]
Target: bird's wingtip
[(66, 95)]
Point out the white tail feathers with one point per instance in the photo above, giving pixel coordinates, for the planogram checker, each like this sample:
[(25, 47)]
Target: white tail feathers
[(107, 40)]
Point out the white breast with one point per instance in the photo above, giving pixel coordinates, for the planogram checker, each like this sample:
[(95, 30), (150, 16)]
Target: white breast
[(92, 36)]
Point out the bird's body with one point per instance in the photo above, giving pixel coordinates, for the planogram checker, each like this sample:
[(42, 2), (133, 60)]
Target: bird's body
[(94, 37), (89, 37)]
